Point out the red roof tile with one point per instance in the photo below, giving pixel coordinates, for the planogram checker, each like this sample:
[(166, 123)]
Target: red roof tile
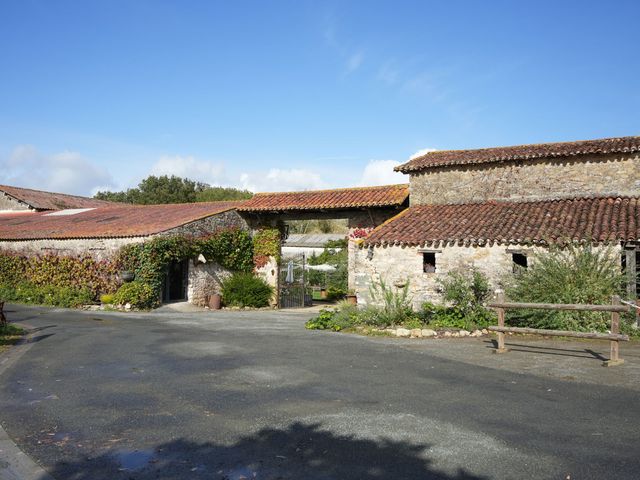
[(383, 196), (106, 222), (441, 158), (546, 222), (40, 200)]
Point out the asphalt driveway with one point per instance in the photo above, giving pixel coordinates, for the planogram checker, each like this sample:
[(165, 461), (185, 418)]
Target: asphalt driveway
[(254, 395)]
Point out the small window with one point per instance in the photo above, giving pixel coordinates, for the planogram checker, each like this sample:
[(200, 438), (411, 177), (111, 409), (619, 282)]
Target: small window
[(519, 261), (429, 262)]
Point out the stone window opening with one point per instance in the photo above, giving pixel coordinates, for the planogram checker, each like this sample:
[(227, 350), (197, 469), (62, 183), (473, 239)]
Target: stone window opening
[(519, 261), (429, 262)]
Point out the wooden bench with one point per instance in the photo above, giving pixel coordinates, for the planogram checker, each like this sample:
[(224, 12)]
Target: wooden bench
[(616, 308)]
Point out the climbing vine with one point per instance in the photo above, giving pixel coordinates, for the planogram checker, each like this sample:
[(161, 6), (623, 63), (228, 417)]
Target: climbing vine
[(266, 243), (230, 248), (57, 271)]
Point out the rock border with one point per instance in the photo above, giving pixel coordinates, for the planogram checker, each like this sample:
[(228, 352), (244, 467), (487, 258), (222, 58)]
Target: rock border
[(402, 332)]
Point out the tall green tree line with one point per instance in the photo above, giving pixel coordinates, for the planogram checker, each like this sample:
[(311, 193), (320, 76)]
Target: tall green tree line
[(172, 189)]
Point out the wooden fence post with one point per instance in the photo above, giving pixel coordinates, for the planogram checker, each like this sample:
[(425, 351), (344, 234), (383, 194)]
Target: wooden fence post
[(500, 299), (614, 358)]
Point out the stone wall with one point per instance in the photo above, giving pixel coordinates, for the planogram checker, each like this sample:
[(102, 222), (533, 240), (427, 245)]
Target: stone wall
[(399, 265), (617, 174), (230, 219), (204, 279), (269, 273), (10, 203), (98, 248)]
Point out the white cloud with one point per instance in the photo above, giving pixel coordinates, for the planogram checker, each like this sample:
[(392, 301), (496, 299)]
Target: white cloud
[(189, 167), (380, 172), (282, 180), (422, 152), (64, 172)]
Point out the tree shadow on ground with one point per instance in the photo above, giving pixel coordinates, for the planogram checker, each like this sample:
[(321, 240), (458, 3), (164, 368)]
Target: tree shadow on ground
[(297, 452)]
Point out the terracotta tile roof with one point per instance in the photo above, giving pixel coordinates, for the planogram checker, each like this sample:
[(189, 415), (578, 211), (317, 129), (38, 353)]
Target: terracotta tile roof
[(551, 221), (383, 196), (441, 158), (41, 200), (106, 222)]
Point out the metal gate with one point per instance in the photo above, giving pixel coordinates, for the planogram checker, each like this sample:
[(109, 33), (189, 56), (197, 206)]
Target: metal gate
[(293, 283)]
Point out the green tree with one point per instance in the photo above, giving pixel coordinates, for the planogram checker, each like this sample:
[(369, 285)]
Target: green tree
[(216, 194), (164, 189)]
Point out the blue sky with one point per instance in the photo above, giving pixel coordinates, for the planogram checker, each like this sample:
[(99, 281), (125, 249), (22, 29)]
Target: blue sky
[(280, 95)]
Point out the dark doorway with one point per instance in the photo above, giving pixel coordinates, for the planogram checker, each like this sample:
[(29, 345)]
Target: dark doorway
[(175, 282)]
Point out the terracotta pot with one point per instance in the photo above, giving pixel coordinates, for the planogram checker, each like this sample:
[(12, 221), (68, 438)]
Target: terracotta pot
[(215, 301), (323, 293), (352, 299)]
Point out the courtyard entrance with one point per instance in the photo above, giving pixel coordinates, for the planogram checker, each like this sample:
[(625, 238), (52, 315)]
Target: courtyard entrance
[(293, 281)]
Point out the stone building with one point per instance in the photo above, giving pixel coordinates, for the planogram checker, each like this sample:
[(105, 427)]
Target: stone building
[(101, 230), (492, 208)]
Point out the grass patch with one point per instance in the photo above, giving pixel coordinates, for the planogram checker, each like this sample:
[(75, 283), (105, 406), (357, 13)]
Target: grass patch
[(10, 335)]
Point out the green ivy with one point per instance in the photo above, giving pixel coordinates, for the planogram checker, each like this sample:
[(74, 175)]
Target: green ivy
[(266, 243), (230, 248), (77, 273)]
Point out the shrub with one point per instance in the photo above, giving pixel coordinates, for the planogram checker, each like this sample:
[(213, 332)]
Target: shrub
[(575, 274), (465, 292), (393, 306), (67, 297), (59, 271), (412, 323), (336, 319), (137, 294), (335, 293), (30, 293), (107, 298), (246, 290)]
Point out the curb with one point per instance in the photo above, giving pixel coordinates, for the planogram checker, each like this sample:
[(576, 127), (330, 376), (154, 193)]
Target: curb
[(14, 463)]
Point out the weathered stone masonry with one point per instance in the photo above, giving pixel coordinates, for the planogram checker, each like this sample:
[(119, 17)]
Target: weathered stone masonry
[(398, 265), (615, 174), (9, 203)]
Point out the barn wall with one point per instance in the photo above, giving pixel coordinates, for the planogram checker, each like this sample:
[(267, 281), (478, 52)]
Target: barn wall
[(617, 174), (10, 203), (398, 265), (98, 248)]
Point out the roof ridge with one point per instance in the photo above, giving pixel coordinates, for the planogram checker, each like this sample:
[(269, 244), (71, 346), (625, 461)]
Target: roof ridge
[(525, 145), (474, 156), (341, 189)]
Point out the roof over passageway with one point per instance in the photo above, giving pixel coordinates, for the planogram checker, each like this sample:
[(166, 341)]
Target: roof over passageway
[(323, 200), (113, 221), (595, 219)]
